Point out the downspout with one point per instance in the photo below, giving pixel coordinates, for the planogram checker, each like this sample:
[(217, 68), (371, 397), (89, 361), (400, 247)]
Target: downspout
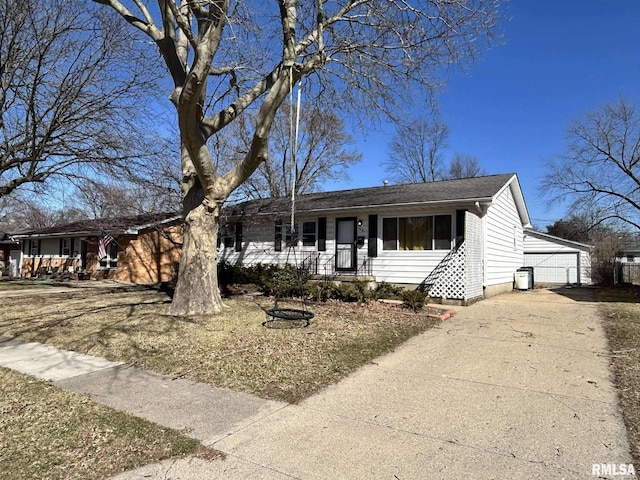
[(482, 212)]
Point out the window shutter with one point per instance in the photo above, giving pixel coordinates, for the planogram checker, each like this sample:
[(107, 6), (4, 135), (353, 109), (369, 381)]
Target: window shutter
[(372, 245), (277, 241), (60, 249), (238, 237), (71, 245), (39, 246), (322, 234)]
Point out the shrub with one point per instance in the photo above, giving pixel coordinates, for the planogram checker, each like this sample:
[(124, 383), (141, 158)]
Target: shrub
[(324, 291), (229, 274), (258, 272), (386, 290), (414, 299), (361, 290), (344, 293), (284, 281), (319, 292)]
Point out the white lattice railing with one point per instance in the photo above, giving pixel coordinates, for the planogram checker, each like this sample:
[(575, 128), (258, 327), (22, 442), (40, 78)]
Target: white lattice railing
[(451, 281)]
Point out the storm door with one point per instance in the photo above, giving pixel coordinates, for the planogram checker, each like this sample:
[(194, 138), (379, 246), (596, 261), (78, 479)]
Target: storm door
[(346, 256)]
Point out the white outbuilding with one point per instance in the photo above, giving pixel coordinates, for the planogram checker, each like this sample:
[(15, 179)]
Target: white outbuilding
[(556, 260)]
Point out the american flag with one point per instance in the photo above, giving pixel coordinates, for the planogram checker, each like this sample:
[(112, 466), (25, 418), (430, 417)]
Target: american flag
[(102, 246)]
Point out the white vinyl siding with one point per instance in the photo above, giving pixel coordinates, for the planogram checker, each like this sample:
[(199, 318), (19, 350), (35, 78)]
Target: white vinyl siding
[(410, 267), (504, 239), (406, 266), (258, 240)]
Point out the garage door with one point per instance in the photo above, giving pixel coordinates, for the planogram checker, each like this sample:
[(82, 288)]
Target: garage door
[(553, 267)]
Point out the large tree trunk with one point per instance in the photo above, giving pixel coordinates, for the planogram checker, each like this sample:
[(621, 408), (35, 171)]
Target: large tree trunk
[(197, 291)]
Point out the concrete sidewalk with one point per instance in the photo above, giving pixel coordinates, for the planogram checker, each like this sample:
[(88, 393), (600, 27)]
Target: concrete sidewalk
[(514, 387)]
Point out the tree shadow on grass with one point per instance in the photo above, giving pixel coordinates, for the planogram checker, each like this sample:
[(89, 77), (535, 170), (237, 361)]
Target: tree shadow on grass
[(622, 293), (74, 324), (577, 294)]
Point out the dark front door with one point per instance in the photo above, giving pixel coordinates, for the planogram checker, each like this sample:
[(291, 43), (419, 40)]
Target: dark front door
[(346, 253)]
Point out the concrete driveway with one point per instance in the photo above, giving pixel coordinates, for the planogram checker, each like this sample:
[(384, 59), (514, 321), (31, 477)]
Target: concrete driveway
[(514, 387)]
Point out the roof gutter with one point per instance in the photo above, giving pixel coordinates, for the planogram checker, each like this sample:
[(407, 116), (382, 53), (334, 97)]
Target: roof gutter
[(55, 235), (136, 230)]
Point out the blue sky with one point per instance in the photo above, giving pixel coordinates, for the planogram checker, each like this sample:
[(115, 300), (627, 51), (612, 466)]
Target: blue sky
[(559, 60)]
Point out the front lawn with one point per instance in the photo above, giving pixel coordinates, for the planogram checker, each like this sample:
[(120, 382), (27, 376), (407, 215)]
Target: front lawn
[(47, 433), (231, 350)]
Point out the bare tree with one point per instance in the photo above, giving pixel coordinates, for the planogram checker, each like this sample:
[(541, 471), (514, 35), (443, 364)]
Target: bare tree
[(66, 108), (229, 58), (464, 166), (606, 246), (576, 227), (600, 173), (102, 199), (322, 153), (23, 211), (415, 151)]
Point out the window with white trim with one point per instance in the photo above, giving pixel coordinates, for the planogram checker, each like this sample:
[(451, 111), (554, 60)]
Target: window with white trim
[(309, 234), (432, 232), (66, 246), (34, 247), (111, 260)]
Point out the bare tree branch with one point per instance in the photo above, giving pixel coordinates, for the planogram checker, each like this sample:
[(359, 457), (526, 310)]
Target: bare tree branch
[(65, 108), (233, 59), (599, 172), (415, 152)]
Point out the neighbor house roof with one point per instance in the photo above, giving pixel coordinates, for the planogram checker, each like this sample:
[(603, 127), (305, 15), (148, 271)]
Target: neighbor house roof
[(112, 226), (482, 190), (631, 245), (6, 239)]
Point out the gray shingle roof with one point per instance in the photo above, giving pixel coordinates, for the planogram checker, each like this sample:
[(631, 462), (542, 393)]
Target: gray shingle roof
[(470, 189), (113, 226), (631, 245), (467, 189)]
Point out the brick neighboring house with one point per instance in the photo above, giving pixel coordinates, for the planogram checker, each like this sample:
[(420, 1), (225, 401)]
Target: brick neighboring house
[(146, 249)]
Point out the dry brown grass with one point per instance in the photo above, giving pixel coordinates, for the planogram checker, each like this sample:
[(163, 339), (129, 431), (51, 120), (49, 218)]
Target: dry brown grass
[(47, 433), (7, 284), (230, 350), (621, 316)]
